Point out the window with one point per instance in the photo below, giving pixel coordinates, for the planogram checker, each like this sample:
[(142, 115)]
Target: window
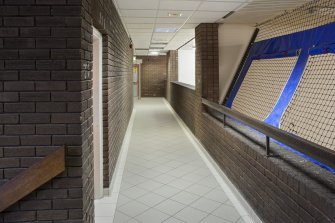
[(186, 63)]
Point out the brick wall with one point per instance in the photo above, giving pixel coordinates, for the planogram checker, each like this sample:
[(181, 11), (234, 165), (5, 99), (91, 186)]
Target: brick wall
[(208, 50), (172, 71), (285, 189), (153, 76), (46, 100), (42, 98)]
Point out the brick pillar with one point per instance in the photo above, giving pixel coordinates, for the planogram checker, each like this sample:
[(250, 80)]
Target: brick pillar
[(207, 61), (172, 71)]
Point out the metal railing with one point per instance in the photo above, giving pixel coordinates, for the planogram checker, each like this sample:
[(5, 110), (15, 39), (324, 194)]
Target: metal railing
[(313, 150)]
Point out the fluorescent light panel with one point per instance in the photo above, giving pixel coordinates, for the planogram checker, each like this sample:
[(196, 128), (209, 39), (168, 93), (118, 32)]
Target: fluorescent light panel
[(165, 30)]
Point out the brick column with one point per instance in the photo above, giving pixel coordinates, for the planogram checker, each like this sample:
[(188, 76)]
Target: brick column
[(172, 71), (207, 61)]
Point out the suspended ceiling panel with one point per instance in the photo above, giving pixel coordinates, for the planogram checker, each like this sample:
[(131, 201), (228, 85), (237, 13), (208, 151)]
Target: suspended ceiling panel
[(160, 21)]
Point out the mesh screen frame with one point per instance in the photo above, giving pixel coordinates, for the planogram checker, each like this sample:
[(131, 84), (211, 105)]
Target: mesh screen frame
[(310, 15), (259, 85), (311, 112)]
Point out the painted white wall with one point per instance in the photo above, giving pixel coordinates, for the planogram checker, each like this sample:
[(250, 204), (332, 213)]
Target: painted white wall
[(97, 114), (233, 42), (186, 66)]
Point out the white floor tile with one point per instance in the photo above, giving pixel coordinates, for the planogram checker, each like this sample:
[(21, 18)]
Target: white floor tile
[(165, 179), (227, 212), (173, 220), (191, 215), (153, 216), (170, 207), (206, 205), (167, 191), (151, 199), (150, 185), (185, 197), (133, 208), (134, 192), (104, 219), (198, 189), (217, 195), (214, 219), (120, 217)]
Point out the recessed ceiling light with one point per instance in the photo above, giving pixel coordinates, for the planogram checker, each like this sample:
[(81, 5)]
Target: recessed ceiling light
[(174, 14), (154, 53), (165, 30)]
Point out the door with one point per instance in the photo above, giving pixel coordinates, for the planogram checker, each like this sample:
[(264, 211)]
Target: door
[(97, 114)]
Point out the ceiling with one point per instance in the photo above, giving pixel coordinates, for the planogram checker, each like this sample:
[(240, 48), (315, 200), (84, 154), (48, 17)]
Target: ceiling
[(157, 26)]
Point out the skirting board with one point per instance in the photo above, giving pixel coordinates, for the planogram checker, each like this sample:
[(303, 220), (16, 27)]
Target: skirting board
[(111, 194)]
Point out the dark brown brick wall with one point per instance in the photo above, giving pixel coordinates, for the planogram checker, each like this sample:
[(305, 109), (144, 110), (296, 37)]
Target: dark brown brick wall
[(172, 71), (153, 76), (208, 50), (117, 87), (285, 189), (46, 100), (44, 104)]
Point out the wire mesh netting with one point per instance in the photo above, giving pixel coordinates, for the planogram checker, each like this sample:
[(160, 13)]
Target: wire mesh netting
[(310, 15), (262, 86), (311, 113)]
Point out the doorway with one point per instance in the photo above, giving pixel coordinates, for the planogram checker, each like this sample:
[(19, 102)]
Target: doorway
[(136, 81), (97, 114)]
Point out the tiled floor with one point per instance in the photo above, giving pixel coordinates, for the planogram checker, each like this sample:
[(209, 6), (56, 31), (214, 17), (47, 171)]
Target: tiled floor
[(164, 178)]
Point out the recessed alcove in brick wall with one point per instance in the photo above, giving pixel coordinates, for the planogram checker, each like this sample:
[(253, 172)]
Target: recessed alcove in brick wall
[(153, 76)]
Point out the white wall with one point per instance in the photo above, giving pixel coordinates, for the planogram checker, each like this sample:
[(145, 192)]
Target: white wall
[(233, 42), (186, 66)]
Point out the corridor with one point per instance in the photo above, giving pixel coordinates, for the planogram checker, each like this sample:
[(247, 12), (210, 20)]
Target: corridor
[(166, 178)]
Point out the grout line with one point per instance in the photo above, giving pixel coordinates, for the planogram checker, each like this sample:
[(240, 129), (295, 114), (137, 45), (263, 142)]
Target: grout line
[(242, 206), (114, 188)]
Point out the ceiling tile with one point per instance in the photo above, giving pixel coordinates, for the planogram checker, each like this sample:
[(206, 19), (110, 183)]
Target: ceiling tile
[(190, 25), (179, 5), (168, 25), (220, 6), (187, 31), (140, 26), (202, 20), (138, 13), (141, 52), (139, 20), (165, 13), (138, 4), (208, 15), (171, 20), (140, 30)]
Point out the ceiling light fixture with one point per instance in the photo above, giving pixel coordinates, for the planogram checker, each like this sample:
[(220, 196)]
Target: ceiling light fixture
[(153, 53), (175, 14), (165, 30)]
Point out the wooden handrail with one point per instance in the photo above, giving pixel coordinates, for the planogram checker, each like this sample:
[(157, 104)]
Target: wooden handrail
[(32, 178)]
